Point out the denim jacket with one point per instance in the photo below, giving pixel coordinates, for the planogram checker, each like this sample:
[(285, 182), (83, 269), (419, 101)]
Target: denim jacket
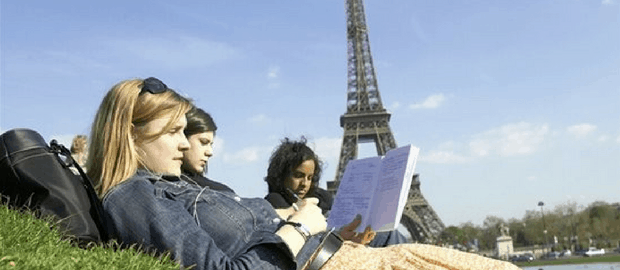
[(199, 226)]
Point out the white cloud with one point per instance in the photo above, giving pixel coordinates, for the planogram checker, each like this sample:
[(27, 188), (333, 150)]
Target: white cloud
[(273, 72), (449, 146), (218, 145), (259, 119), (273, 75), (508, 140), (603, 138), (327, 148), (246, 155), (532, 178), (581, 130), (395, 106), (607, 2), (443, 157), (430, 102), (618, 139), (447, 152), (181, 52), (480, 148)]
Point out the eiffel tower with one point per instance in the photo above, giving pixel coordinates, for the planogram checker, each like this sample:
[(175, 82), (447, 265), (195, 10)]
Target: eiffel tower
[(366, 120)]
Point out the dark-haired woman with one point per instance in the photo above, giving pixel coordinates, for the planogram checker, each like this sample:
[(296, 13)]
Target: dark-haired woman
[(293, 174), (200, 133)]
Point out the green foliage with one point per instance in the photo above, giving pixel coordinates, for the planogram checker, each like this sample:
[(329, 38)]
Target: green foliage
[(572, 225), (30, 243), (453, 235), (598, 211)]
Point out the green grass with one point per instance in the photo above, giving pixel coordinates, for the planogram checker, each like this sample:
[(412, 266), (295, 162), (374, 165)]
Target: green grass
[(608, 258), (30, 243)]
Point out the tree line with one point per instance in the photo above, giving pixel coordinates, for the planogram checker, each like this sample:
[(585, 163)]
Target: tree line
[(568, 226)]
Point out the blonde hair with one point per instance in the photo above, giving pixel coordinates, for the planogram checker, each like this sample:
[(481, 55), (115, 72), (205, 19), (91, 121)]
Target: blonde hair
[(78, 144), (78, 149), (119, 124)]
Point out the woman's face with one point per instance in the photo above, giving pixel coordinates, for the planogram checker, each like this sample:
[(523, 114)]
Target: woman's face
[(300, 180), (201, 149), (165, 153)]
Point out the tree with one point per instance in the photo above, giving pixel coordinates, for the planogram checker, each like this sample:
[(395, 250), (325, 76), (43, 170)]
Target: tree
[(451, 235), (490, 231), (599, 222), (565, 222), (518, 232)]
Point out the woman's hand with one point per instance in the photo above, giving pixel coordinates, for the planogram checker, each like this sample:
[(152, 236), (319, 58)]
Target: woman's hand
[(310, 215), (285, 213), (347, 232)]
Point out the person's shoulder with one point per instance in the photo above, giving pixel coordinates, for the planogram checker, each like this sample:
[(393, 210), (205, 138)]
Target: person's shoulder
[(138, 182), (276, 200), (322, 191), (323, 194), (203, 181), (219, 186), (325, 199), (271, 196)]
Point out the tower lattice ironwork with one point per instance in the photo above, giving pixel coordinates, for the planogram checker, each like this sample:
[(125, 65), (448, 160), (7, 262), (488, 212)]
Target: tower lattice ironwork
[(366, 120)]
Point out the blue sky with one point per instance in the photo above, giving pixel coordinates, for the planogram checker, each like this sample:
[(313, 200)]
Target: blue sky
[(510, 102)]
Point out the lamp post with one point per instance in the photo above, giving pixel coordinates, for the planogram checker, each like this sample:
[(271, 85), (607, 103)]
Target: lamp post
[(541, 204)]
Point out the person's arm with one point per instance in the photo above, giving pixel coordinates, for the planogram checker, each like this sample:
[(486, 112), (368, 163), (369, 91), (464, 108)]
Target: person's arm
[(308, 214), (347, 232), (282, 207), (285, 213), (140, 217), (325, 200)]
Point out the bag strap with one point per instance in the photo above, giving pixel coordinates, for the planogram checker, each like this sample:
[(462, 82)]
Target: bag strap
[(60, 149)]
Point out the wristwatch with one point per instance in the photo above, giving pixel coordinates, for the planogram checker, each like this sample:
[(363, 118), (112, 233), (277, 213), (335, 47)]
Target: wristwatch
[(301, 228)]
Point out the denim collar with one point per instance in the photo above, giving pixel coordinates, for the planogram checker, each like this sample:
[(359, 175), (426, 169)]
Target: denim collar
[(158, 176), (153, 177)]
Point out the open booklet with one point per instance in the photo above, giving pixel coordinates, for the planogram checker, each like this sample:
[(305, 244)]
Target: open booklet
[(376, 188)]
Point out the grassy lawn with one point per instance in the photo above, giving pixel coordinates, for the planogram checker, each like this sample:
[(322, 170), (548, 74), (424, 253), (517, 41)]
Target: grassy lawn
[(29, 243), (614, 257)]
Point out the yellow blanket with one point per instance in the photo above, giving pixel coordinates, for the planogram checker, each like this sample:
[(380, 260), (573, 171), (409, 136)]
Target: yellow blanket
[(410, 256)]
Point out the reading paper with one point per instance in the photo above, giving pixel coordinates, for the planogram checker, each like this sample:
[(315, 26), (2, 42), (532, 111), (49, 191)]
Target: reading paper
[(376, 188)]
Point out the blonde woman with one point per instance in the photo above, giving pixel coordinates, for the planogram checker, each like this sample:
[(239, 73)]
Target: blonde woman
[(78, 149), (137, 147)]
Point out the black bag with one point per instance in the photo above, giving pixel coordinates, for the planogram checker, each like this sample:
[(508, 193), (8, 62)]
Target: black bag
[(46, 179)]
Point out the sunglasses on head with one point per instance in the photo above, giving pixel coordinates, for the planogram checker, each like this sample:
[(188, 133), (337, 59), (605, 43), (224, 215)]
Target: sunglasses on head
[(153, 86)]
